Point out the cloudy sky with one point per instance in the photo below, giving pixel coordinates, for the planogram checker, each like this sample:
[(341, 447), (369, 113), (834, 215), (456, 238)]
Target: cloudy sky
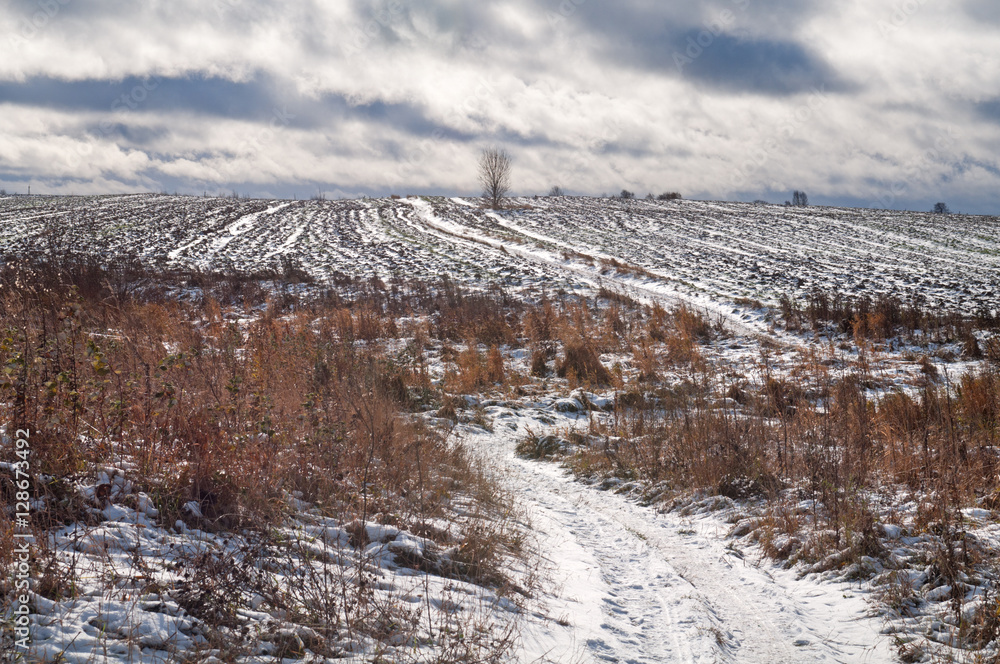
[(882, 103)]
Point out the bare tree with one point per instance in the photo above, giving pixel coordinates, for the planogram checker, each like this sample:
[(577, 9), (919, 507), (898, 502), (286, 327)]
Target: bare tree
[(941, 208), (494, 174), (800, 198), (556, 191)]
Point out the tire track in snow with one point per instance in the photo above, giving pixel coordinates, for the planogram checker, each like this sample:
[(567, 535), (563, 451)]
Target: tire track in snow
[(630, 608), (454, 229), (638, 586)]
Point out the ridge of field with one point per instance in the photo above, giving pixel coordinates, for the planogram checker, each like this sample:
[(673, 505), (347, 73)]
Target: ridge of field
[(713, 251)]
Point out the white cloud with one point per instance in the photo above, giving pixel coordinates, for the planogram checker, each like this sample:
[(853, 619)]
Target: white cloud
[(592, 102)]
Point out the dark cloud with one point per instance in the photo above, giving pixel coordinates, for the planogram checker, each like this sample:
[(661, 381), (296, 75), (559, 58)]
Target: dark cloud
[(990, 109), (235, 14), (12, 176), (129, 135), (769, 67), (631, 19), (983, 10), (261, 99), (733, 46), (969, 163), (209, 96)]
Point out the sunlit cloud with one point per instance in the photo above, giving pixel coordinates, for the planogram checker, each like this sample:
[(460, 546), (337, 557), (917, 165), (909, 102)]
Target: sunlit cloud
[(864, 103)]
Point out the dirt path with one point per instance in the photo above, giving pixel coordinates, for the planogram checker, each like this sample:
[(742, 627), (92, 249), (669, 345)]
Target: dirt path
[(633, 585)]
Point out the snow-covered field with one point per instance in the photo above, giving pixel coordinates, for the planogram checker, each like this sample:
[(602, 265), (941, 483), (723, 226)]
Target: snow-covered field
[(120, 608), (706, 251)]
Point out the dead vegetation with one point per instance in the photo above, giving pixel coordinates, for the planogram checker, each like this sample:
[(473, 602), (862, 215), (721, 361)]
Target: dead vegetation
[(820, 446), (245, 400), (236, 395), (885, 317)]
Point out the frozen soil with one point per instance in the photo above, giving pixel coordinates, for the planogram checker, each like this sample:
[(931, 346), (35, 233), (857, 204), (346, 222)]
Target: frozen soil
[(712, 252)]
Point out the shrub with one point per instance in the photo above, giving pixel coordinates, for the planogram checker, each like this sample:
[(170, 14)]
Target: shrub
[(238, 418), (539, 367), (581, 362), (539, 447)]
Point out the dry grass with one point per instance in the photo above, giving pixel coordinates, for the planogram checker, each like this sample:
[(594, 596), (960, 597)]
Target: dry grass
[(883, 317), (581, 364), (238, 402), (306, 398), (811, 431), (624, 268)]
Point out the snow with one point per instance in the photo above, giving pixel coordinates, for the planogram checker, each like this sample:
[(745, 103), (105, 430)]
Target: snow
[(117, 620), (193, 508), (288, 244), (631, 583)]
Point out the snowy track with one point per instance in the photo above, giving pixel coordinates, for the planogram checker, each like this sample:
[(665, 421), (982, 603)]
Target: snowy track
[(636, 586)]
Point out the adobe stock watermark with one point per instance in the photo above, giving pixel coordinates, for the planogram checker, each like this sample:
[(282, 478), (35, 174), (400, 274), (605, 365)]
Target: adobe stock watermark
[(941, 152), (30, 26), (23, 538), (760, 156), (252, 145), (280, 119), (119, 109), (902, 12), (478, 102), (713, 28), (584, 159), (360, 37), (565, 9), (129, 101)]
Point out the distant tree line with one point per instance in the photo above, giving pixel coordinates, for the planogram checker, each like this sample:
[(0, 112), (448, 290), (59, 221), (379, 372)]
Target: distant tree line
[(625, 195)]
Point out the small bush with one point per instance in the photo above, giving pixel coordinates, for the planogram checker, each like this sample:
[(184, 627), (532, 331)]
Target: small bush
[(539, 366), (741, 487), (535, 447), (992, 350), (581, 362)]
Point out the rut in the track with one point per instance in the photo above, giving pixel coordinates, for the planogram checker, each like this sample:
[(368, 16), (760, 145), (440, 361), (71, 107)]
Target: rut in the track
[(639, 586)]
